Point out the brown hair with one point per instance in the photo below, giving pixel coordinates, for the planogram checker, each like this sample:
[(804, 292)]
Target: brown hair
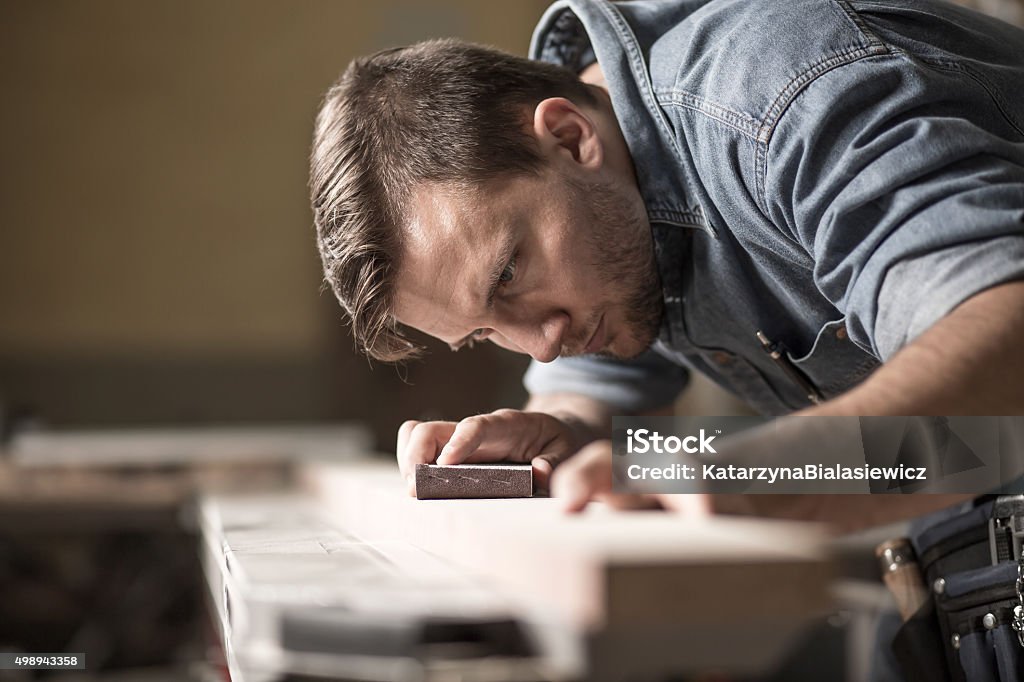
[(438, 111)]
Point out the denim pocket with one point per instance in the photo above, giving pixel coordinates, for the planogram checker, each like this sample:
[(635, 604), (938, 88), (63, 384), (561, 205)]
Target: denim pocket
[(740, 376), (835, 364)]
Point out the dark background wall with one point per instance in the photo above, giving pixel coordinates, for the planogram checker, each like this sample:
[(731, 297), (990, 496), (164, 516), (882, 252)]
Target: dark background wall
[(157, 262)]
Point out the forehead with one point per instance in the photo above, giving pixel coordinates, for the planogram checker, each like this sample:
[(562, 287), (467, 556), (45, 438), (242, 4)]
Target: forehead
[(449, 242), (442, 216)]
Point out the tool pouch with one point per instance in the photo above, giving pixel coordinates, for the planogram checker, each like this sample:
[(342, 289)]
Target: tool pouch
[(977, 610), (970, 558)]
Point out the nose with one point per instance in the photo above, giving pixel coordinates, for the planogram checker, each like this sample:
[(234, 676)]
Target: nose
[(541, 340)]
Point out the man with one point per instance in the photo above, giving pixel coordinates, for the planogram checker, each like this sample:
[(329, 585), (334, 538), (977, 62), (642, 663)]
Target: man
[(670, 186)]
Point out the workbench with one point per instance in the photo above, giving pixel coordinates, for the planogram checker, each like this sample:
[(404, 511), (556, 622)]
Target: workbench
[(346, 577), (317, 565)]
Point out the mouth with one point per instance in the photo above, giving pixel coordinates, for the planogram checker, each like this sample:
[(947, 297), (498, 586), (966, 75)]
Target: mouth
[(597, 340)]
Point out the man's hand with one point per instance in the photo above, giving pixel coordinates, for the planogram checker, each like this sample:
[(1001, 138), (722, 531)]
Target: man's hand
[(588, 476), (504, 435)]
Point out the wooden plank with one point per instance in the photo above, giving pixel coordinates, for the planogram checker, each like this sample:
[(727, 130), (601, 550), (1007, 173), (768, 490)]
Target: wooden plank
[(602, 570), (295, 594)]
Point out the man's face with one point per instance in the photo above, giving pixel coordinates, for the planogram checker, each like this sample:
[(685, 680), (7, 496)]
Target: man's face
[(536, 264)]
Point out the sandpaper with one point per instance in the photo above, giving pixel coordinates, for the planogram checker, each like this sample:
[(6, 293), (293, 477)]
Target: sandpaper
[(472, 481)]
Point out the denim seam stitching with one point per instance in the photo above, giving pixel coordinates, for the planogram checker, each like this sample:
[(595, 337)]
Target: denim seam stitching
[(786, 97), (774, 113), (739, 122), (797, 83), (760, 171), (681, 218), (859, 23), (639, 72), (643, 79)]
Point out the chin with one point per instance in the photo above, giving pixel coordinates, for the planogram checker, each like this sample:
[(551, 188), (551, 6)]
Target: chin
[(630, 345), (627, 348)]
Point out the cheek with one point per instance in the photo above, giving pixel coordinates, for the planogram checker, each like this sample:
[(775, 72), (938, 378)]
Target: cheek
[(574, 271), (586, 279)]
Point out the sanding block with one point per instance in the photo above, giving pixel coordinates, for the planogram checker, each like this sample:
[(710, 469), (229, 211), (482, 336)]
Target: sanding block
[(462, 481)]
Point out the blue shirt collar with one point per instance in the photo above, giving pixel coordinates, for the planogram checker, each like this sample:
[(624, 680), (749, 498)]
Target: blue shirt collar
[(573, 33)]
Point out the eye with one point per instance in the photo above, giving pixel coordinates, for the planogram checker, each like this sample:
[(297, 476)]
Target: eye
[(509, 273), (474, 336)]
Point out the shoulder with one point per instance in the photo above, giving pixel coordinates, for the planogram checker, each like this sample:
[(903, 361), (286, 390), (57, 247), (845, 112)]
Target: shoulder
[(742, 62)]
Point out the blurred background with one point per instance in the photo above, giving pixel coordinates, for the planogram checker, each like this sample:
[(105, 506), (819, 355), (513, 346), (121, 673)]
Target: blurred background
[(157, 262), (158, 269)]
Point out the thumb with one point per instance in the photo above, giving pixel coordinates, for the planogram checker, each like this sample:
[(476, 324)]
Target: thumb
[(544, 465)]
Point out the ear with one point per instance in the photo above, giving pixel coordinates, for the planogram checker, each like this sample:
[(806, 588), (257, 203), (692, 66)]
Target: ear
[(562, 128)]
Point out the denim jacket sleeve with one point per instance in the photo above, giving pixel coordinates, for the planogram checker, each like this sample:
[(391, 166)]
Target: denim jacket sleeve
[(647, 382), (903, 178)]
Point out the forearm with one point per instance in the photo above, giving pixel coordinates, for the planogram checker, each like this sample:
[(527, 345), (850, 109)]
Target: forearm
[(969, 363)]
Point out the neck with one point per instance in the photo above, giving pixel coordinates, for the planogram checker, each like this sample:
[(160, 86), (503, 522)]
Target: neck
[(616, 149)]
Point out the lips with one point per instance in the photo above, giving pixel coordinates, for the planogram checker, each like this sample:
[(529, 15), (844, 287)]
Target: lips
[(597, 340)]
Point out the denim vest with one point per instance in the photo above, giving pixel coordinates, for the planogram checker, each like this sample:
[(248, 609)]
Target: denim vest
[(835, 175)]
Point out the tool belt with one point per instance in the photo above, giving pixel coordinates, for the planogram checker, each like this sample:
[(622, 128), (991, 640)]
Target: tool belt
[(971, 628)]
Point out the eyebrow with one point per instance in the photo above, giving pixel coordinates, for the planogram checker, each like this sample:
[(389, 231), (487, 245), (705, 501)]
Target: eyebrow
[(505, 253)]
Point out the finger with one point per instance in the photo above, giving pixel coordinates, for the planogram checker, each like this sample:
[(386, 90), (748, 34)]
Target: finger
[(544, 465), (572, 489), (473, 433), (542, 469), (424, 442), (557, 448), (404, 431), (581, 478)]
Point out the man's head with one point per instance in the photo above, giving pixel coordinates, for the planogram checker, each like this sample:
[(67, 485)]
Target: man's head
[(472, 194)]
